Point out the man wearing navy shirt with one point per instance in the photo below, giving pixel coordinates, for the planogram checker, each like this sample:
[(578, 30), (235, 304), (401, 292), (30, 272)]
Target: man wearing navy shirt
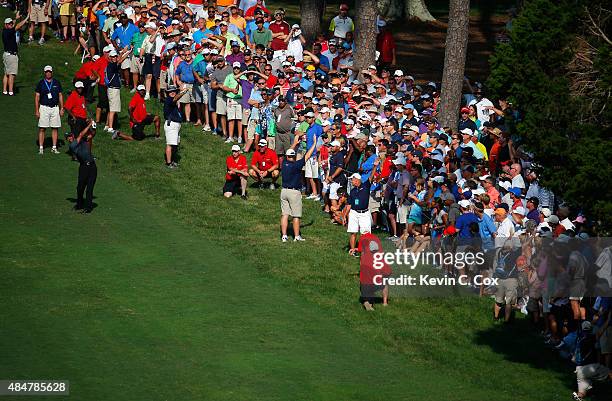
[(49, 108), (113, 83), (172, 126), (290, 196), (359, 218), (88, 172)]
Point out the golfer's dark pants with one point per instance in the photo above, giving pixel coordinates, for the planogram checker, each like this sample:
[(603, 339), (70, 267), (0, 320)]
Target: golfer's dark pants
[(88, 172)]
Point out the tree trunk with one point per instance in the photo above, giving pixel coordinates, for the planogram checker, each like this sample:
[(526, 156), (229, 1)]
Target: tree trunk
[(418, 10), (454, 62), (365, 33), (311, 12)]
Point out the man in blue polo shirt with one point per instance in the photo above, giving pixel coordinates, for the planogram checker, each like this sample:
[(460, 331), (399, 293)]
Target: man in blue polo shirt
[(122, 38), (49, 108), (290, 196), (359, 218)]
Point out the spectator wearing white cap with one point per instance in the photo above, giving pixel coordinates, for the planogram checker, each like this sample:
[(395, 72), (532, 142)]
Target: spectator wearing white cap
[(264, 164), (290, 196), (359, 218), (10, 56), (49, 108), (113, 83), (233, 92), (75, 107), (236, 174), (139, 117)]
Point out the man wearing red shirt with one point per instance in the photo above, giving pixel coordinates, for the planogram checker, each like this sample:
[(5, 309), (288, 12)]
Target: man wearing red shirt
[(280, 30), (98, 72), (236, 174), (75, 107), (250, 13), (264, 164), (139, 118), (85, 75)]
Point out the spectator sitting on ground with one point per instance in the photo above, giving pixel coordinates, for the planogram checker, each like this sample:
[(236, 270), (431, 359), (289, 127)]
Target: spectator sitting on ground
[(236, 175), (264, 164)]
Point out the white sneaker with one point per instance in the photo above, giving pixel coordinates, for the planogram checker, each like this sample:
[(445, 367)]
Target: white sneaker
[(4, 92), (41, 151), (10, 93), (55, 151), (298, 238), (147, 96), (228, 140), (239, 140), (272, 186), (206, 128), (31, 39), (41, 41), (316, 198), (284, 238), (107, 128), (311, 196)]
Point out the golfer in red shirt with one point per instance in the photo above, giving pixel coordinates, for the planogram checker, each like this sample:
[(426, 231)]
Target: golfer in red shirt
[(236, 174), (264, 164)]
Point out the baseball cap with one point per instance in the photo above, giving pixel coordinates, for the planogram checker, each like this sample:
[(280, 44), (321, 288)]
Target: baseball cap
[(79, 84), (48, 68), (290, 152), (505, 185), (399, 161), (349, 121), (325, 123), (234, 43), (140, 87), (310, 67), (113, 53), (150, 25), (546, 212), (235, 148), (8, 20), (466, 131), (310, 114), (465, 110), (398, 73), (500, 211), (236, 64), (262, 142), (325, 110), (95, 57), (515, 191), (520, 211), (335, 143), (464, 203), (356, 175), (175, 22), (586, 326)]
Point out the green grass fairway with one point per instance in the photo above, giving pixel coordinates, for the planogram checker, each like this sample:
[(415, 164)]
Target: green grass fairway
[(167, 291)]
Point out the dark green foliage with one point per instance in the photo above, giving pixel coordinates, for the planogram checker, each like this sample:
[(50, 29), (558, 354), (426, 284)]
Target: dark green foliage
[(532, 71)]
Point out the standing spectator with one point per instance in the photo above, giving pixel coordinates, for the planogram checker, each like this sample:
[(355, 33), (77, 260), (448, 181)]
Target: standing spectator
[(283, 115), (233, 91), (38, 11), (49, 108), (10, 56), (75, 107), (122, 40), (184, 79), (280, 30), (137, 57), (172, 126), (385, 44), (217, 77), (290, 196), (236, 174), (311, 171), (67, 14), (88, 172), (359, 218), (113, 83), (260, 36), (341, 23)]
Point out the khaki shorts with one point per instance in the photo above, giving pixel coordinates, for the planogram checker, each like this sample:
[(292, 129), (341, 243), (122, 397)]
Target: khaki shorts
[(251, 129), (163, 76), (246, 113), (221, 105), (291, 202), (68, 20), (507, 291), (374, 204), (311, 168), (234, 110), (172, 132), (135, 65), (11, 63), (188, 96), (49, 117), (37, 15), (283, 142), (271, 142), (402, 214), (114, 100)]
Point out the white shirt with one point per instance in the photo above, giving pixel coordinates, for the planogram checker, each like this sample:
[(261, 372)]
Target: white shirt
[(505, 231), (518, 182), (483, 114), (341, 26)]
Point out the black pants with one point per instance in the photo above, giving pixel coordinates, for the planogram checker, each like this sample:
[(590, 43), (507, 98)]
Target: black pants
[(88, 172)]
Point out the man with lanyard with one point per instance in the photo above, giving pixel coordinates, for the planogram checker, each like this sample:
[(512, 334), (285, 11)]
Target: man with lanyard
[(359, 219), (88, 171), (290, 196), (38, 11), (311, 171), (49, 108), (75, 107), (122, 39), (10, 57), (172, 127), (113, 83)]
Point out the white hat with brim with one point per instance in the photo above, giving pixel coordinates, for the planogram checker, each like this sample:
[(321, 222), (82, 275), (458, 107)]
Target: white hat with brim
[(79, 84), (290, 152), (464, 203), (356, 176), (141, 88), (48, 68), (235, 148), (8, 20), (263, 142)]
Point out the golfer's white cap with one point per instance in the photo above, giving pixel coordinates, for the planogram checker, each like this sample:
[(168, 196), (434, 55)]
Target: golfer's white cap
[(79, 84), (235, 148)]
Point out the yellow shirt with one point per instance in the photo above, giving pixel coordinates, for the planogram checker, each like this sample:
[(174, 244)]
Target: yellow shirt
[(224, 3), (483, 149), (67, 8), (238, 21)]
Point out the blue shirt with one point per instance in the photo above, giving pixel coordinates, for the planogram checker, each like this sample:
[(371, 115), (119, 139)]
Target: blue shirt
[(101, 19), (366, 166), (359, 198), (199, 35), (486, 228), (172, 111), (312, 135), (184, 72), (200, 68), (44, 88), (291, 172), (123, 35), (463, 226), (306, 84)]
